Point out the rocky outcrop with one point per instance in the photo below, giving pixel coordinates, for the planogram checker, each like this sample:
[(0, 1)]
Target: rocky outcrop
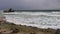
[(2, 18), (11, 28), (57, 31)]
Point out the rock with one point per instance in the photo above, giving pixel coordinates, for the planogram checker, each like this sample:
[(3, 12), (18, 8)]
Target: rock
[(32, 33), (0, 32), (2, 18), (14, 30), (57, 31)]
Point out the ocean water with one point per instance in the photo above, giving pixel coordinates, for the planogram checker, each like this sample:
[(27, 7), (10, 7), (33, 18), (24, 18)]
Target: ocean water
[(35, 19)]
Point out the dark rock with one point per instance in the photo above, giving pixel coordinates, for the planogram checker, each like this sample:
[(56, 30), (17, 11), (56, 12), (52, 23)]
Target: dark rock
[(32, 33), (0, 32), (15, 30), (57, 31)]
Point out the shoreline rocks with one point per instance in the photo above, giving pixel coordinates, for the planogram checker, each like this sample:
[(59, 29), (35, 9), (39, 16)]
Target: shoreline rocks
[(11, 28), (2, 18)]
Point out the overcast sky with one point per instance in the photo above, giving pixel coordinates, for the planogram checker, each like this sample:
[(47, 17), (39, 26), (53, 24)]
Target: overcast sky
[(30, 4)]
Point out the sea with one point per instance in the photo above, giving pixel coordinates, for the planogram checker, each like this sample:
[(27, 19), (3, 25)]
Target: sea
[(39, 19)]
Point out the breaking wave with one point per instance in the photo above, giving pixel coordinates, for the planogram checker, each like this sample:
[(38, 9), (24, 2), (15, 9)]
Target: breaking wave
[(35, 19)]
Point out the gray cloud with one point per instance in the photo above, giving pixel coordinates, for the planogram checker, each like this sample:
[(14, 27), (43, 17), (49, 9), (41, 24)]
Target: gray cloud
[(30, 4)]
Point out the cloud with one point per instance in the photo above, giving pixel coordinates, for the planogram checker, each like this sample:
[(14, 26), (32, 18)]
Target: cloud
[(30, 4)]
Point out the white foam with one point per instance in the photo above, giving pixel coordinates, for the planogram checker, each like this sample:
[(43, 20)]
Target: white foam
[(36, 19)]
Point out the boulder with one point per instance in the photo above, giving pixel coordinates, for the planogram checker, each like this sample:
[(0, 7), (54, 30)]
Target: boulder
[(57, 31)]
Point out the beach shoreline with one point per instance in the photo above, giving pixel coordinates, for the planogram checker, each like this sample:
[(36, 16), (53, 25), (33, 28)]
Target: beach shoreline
[(23, 29)]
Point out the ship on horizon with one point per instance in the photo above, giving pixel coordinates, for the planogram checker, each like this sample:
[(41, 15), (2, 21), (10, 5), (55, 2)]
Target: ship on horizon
[(9, 10)]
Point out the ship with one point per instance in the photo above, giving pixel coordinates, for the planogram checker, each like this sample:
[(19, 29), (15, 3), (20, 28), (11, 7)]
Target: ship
[(9, 10)]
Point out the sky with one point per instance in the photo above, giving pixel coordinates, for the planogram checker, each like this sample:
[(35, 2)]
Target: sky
[(30, 4)]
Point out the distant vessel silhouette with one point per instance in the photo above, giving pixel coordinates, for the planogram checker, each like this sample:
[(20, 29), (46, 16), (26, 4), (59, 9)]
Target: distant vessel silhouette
[(10, 10)]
